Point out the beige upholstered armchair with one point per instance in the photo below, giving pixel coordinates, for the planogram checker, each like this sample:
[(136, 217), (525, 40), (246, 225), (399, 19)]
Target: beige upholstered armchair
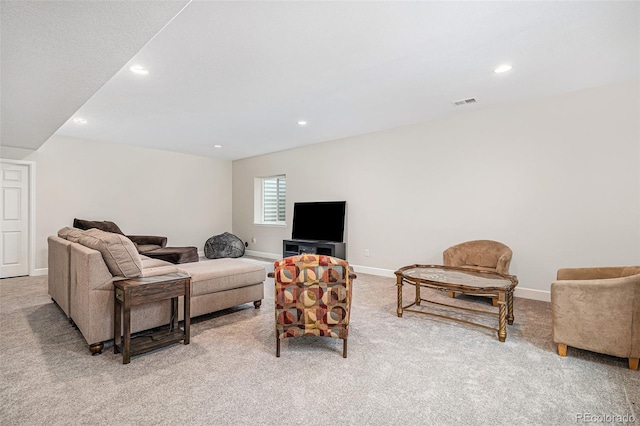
[(598, 309), (479, 254)]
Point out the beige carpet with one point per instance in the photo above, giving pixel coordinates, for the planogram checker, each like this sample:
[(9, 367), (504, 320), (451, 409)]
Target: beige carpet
[(415, 370)]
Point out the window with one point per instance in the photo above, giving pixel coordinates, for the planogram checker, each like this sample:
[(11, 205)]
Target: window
[(270, 200)]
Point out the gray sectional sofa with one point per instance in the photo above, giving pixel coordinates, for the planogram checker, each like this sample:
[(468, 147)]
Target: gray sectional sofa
[(84, 264)]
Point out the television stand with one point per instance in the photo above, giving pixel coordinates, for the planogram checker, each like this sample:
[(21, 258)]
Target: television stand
[(327, 248)]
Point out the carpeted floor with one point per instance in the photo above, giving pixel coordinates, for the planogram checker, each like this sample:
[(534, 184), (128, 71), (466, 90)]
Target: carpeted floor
[(415, 370)]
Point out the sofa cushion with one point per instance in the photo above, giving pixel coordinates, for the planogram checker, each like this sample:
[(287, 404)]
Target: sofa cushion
[(211, 276), (105, 225), (70, 234), (145, 248), (118, 252), (148, 262)]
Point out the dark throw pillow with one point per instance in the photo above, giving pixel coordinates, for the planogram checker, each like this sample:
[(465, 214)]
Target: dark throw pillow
[(105, 225)]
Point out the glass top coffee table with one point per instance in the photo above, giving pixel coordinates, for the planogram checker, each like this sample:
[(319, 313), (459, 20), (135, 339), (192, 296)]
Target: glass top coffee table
[(460, 280)]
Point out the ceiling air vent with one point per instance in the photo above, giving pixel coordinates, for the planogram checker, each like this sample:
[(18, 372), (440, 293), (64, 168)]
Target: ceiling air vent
[(465, 101)]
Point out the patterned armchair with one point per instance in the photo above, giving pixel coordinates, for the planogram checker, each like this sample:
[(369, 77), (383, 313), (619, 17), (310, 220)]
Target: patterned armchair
[(312, 298), (479, 254)]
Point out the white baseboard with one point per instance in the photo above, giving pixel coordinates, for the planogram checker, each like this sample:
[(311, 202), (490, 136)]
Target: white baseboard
[(263, 254), (533, 294), (525, 293), (39, 271), (374, 271)]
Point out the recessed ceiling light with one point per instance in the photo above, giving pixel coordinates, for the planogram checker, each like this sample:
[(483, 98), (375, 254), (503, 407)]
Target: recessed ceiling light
[(80, 120), (139, 70), (302, 123), (217, 146), (503, 68)]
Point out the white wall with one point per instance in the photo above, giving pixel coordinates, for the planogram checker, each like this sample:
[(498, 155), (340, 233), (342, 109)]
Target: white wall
[(556, 179), (146, 192)]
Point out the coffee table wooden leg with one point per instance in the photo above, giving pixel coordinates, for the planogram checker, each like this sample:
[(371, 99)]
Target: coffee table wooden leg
[(417, 294), (502, 331), (510, 316), (399, 285)]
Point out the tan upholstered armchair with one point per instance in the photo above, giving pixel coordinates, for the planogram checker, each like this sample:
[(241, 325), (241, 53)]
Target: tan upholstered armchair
[(312, 298), (598, 309), (479, 254)]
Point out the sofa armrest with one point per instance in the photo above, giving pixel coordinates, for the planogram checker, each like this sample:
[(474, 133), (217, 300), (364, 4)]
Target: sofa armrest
[(148, 240), (590, 273)]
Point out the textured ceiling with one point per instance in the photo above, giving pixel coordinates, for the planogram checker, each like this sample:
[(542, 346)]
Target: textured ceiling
[(55, 55), (241, 74)]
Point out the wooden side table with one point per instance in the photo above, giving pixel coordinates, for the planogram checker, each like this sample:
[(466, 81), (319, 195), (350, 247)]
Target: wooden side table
[(136, 291)]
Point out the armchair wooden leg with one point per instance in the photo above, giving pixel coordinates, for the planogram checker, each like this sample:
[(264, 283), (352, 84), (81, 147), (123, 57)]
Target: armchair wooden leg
[(344, 351), (452, 295), (278, 346), (633, 363), (562, 349)]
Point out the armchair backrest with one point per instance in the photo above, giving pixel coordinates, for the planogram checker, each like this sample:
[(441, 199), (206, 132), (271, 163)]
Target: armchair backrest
[(479, 253), (312, 296)]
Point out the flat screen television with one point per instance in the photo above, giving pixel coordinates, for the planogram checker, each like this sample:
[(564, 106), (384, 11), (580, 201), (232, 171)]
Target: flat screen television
[(319, 221)]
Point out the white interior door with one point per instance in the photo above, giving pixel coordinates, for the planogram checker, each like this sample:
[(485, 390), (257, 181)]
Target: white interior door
[(14, 220)]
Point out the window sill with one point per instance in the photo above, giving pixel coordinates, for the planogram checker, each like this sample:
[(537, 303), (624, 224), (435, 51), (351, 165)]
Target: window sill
[(276, 224)]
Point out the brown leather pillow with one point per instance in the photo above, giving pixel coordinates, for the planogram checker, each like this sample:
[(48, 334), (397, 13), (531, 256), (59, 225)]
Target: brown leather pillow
[(105, 225)]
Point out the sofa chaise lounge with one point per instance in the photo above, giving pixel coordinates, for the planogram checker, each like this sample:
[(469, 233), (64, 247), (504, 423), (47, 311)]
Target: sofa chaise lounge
[(149, 245), (82, 272)]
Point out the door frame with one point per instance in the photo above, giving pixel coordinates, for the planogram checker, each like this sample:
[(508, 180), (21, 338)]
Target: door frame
[(31, 165)]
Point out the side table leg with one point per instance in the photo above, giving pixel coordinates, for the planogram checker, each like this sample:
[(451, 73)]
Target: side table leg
[(187, 311), (117, 325), (174, 314), (502, 332), (399, 285), (510, 316), (418, 294), (126, 347)]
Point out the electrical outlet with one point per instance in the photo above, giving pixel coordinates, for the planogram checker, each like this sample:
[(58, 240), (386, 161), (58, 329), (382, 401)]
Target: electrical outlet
[(366, 252)]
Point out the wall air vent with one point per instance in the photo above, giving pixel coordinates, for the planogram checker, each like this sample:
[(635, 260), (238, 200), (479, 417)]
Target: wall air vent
[(465, 101)]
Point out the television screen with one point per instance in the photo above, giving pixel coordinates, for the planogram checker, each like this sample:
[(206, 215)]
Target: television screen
[(319, 221)]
